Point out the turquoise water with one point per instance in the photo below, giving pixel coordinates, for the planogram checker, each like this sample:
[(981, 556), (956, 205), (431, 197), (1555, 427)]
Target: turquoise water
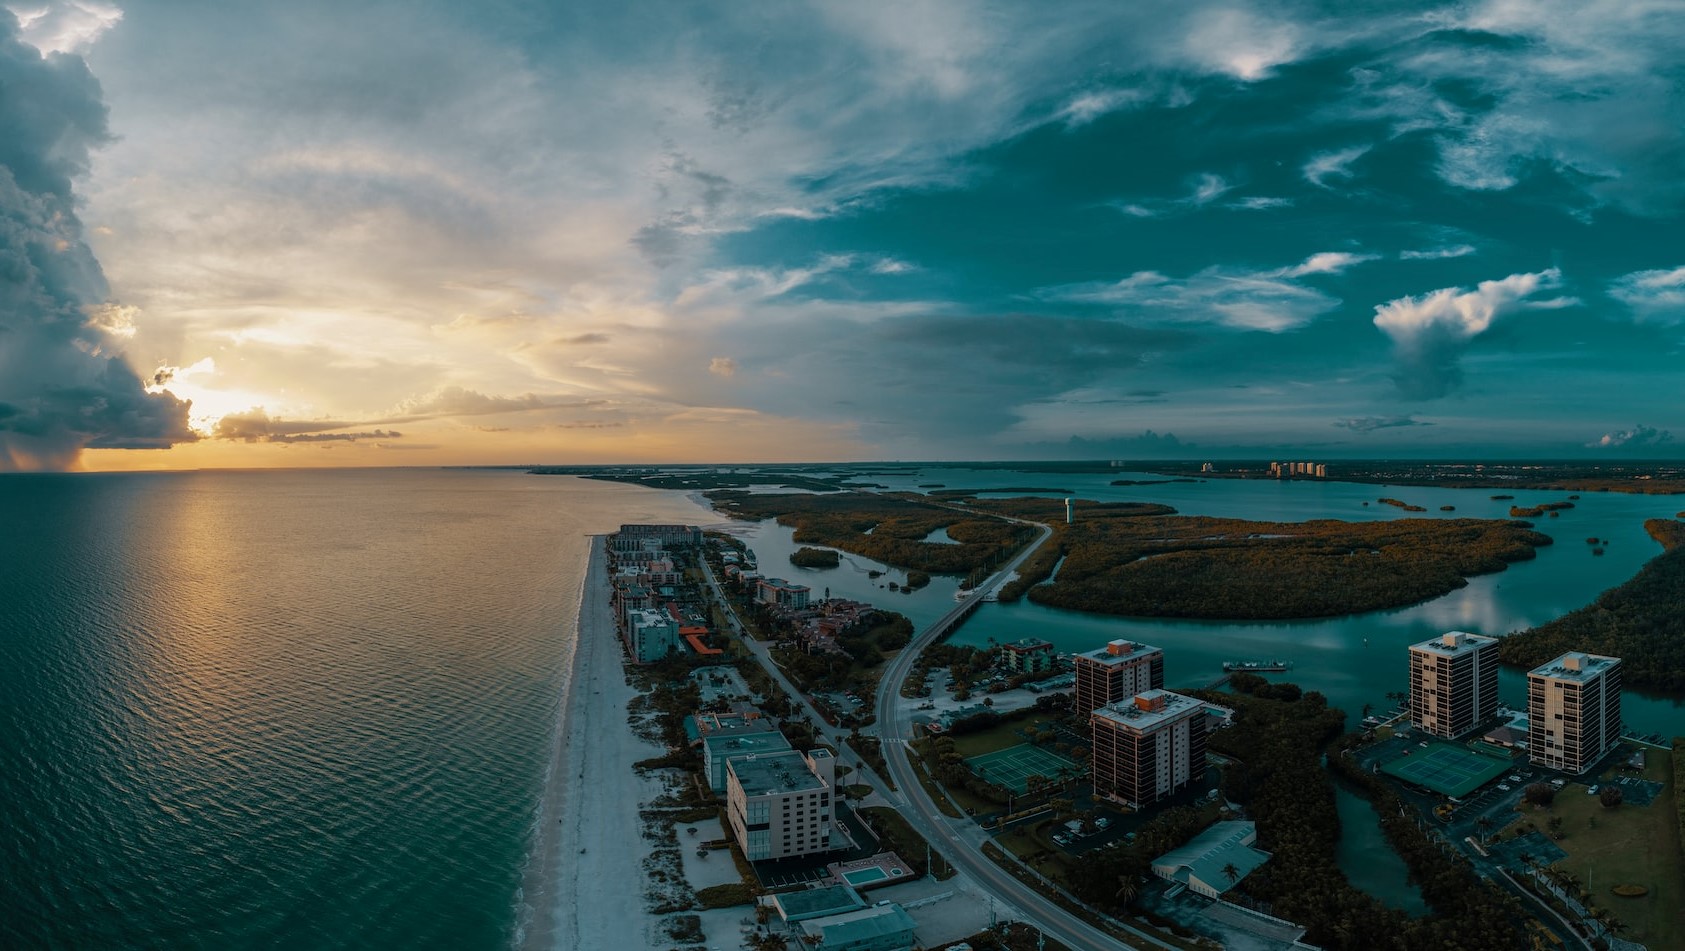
[(1355, 660), (283, 709)]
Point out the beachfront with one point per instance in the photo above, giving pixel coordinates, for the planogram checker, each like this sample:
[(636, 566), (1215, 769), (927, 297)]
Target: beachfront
[(588, 891)]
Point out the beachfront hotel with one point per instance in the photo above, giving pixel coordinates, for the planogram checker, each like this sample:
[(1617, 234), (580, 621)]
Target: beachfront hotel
[(650, 635), (1453, 683), (780, 804), (719, 749), (1573, 711), (1148, 747), (1118, 671)]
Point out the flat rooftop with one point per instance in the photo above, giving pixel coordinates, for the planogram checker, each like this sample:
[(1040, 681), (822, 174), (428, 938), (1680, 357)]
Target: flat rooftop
[(1576, 667), (738, 743), (817, 902), (865, 926), (1453, 643), (1136, 717), (1120, 652), (766, 773)]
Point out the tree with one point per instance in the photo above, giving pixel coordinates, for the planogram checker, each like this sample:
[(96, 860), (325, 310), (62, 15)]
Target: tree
[(1610, 796), (1128, 886), (1540, 794), (1231, 873)]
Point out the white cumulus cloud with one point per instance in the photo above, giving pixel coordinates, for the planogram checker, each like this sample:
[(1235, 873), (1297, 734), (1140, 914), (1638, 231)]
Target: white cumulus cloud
[(1430, 332)]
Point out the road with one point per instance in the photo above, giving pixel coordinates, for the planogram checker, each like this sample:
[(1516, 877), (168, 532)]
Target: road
[(961, 840)]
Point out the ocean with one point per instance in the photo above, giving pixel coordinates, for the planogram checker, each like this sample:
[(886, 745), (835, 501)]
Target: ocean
[(282, 709), (317, 709)]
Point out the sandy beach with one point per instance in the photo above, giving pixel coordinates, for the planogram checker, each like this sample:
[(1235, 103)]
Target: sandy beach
[(586, 889)]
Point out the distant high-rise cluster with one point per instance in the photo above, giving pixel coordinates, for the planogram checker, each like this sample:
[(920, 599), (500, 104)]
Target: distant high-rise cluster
[(1287, 470)]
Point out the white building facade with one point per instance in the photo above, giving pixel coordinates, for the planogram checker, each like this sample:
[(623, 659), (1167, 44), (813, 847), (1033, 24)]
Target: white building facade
[(1453, 683), (1573, 711)]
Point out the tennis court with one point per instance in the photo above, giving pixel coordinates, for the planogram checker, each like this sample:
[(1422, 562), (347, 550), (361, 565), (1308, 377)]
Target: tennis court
[(1012, 767), (1449, 770)]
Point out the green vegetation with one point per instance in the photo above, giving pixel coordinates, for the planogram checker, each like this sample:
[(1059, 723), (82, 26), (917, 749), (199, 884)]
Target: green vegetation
[(1534, 511), (898, 526), (1642, 621), (900, 838), (1406, 506), (728, 895), (814, 558), (1278, 744), (1678, 790), (917, 579), (858, 667), (1625, 846), (1138, 560)]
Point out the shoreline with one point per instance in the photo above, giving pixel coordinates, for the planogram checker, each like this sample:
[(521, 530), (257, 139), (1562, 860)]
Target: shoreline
[(585, 885)]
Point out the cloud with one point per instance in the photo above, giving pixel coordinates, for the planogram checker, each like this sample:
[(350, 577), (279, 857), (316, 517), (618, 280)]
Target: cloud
[(256, 425), (1324, 166), (64, 384), (1239, 43), (1638, 437), (1231, 297), (723, 366), (1653, 295), (1325, 262), (460, 401), (1368, 424), (1087, 106), (65, 25), (1430, 332), (1203, 189), (1261, 203), (1437, 254)]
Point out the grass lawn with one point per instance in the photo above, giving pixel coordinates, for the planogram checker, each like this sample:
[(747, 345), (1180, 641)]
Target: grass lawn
[(998, 737), (1629, 845)]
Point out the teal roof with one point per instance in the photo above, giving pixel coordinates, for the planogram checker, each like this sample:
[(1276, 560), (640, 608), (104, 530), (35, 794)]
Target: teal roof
[(743, 744), (886, 922), (1205, 857), (817, 902)]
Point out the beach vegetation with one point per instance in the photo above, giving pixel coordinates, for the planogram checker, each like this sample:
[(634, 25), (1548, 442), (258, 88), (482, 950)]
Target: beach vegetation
[(729, 895)]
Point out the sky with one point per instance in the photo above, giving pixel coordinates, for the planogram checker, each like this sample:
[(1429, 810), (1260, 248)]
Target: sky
[(319, 234)]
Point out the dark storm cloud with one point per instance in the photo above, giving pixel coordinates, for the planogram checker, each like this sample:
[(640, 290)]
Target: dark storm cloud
[(63, 385)]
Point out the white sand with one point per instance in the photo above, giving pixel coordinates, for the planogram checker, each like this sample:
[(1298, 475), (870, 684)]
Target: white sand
[(588, 890)]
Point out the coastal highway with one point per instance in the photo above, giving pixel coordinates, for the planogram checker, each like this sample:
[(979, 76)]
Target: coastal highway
[(961, 840)]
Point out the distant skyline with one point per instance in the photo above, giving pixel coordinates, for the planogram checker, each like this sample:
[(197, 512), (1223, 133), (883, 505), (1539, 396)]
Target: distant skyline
[(498, 233)]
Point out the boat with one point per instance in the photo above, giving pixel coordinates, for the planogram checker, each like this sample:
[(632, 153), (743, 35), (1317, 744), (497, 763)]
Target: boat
[(1256, 666)]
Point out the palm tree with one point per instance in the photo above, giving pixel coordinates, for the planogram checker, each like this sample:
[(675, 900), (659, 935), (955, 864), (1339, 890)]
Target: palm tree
[(1231, 873)]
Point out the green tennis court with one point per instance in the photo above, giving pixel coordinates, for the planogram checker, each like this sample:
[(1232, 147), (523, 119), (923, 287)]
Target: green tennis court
[(1449, 770), (1012, 767)]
